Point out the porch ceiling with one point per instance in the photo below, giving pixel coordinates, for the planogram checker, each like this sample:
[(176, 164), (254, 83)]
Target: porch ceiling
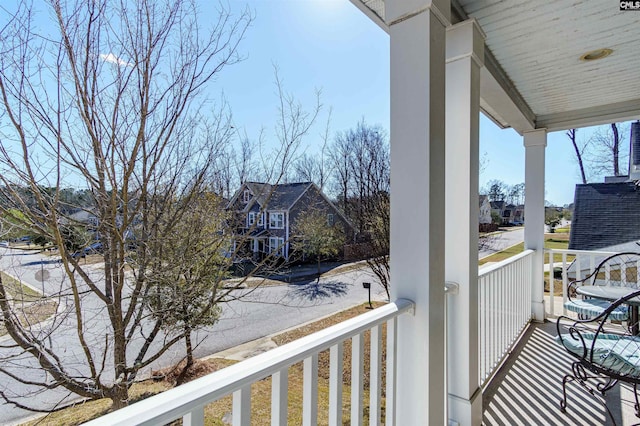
[(533, 60)]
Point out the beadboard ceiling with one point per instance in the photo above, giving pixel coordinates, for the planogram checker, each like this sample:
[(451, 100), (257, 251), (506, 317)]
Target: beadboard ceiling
[(533, 57)]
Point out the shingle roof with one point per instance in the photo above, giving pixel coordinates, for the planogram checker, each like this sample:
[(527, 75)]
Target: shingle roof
[(605, 214), (277, 197)]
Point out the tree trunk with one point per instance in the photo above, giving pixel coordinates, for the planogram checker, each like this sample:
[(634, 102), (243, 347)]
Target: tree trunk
[(189, 349), (119, 395), (318, 279), (572, 135), (615, 149)]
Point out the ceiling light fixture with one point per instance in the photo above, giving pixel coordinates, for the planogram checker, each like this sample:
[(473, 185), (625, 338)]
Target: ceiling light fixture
[(596, 54)]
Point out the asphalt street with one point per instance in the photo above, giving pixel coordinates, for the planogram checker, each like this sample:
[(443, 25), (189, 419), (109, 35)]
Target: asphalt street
[(500, 241), (262, 312)]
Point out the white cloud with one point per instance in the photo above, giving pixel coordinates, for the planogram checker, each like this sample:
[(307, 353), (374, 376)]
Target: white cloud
[(110, 57)]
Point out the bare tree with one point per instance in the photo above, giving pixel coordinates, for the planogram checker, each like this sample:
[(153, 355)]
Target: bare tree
[(379, 225), (579, 150), (608, 156), (361, 173), (496, 190), (316, 168), (112, 101)]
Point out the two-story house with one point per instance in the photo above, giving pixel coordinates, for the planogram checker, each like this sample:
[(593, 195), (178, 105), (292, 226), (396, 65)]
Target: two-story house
[(266, 215), (485, 209)]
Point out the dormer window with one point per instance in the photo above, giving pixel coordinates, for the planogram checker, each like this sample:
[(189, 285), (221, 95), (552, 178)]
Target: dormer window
[(246, 196)]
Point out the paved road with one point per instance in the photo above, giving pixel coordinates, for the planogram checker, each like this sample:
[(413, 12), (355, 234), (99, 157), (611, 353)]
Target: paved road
[(500, 241), (265, 311)]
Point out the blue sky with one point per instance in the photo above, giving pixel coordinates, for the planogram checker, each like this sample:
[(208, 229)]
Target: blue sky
[(330, 45)]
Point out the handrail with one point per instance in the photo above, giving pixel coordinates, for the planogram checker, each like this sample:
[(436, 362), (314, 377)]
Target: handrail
[(484, 270), (177, 402)]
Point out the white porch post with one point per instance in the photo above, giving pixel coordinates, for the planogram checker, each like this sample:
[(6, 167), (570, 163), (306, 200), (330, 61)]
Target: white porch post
[(535, 143), (465, 57), (417, 32)]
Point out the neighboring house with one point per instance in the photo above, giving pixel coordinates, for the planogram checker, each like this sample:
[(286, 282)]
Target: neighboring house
[(518, 216), (497, 208), (485, 209), (608, 214), (508, 214), (84, 217), (266, 214)]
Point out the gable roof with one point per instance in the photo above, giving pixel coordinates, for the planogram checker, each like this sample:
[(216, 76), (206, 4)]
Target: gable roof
[(605, 214), (498, 205), (278, 197), (272, 197)]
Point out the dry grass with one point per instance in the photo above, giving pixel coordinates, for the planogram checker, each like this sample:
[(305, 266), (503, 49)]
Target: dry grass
[(28, 305), (349, 267), (85, 411), (18, 291), (219, 413), (251, 282)]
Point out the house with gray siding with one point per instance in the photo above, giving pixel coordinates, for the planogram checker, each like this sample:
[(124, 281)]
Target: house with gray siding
[(266, 215)]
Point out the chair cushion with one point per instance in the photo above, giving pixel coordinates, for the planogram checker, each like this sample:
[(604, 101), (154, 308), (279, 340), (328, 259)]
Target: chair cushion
[(620, 354), (594, 307)]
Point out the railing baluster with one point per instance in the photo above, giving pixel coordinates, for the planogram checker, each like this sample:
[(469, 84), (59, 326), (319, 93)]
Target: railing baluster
[(504, 295), (357, 370), (194, 418), (552, 284), (310, 391), (279, 397), (375, 375), (336, 356), (241, 412), (390, 409), (565, 283)]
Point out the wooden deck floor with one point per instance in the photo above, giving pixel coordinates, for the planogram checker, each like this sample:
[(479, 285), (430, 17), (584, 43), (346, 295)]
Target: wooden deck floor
[(527, 389)]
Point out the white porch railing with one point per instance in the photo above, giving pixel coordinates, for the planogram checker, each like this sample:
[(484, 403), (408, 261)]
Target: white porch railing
[(504, 293), (584, 262), (188, 401)]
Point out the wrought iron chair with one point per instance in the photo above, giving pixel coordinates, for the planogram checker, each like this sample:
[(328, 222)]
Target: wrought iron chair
[(605, 353)]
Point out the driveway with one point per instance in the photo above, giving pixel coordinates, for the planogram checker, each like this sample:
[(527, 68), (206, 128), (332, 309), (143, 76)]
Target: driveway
[(262, 312)]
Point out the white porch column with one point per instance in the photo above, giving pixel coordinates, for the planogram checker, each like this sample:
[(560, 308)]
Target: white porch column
[(417, 32), (465, 57), (535, 143)]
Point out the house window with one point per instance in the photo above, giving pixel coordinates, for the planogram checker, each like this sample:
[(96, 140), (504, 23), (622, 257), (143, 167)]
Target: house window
[(330, 219), (261, 219), (276, 220), (251, 218), (276, 245), (246, 196)]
